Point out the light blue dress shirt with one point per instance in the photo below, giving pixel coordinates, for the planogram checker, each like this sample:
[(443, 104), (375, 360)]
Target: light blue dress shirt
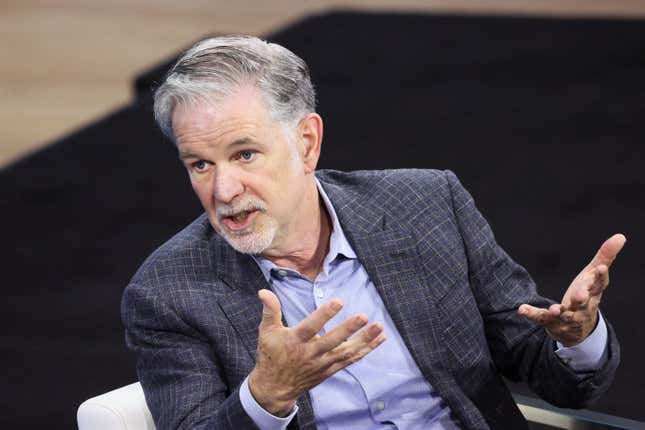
[(385, 389)]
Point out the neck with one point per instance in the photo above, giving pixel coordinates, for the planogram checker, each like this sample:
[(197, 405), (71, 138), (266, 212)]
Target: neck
[(310, 243)]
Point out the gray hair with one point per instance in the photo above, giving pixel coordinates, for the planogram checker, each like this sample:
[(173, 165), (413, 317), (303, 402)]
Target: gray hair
[(214, 67)]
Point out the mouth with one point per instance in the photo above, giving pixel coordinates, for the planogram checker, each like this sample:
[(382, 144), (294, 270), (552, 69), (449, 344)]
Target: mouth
[(240, 221)]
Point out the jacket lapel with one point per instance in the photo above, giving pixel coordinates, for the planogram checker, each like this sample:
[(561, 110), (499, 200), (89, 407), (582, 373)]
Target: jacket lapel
[(242, 306), (390, 256), (243, 309)]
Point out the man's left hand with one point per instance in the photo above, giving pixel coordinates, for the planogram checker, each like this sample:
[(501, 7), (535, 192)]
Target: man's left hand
[(571, 321)]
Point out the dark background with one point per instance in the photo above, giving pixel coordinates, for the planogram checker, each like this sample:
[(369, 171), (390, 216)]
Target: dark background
[(540, 118)]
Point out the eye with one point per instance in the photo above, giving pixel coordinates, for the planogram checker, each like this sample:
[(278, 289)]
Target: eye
[(246, 155), (200, 165)]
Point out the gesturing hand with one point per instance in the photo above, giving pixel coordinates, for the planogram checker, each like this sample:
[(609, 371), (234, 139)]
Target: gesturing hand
[(571, 321), (291, 360)]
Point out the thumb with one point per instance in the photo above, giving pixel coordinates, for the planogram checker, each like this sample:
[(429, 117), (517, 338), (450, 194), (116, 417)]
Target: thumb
[(608, 251), (271, 313)]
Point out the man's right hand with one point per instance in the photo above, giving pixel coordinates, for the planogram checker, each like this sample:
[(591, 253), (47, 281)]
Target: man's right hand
[(292, 360)]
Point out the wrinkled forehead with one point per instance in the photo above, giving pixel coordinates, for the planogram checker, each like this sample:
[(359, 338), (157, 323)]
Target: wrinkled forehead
[(245, 102), (243, 111)]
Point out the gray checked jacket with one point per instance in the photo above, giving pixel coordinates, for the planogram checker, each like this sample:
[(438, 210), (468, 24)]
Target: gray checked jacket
[(191, 312)]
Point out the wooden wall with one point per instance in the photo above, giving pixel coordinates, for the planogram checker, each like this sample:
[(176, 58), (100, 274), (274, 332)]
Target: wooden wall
[(67, 62)]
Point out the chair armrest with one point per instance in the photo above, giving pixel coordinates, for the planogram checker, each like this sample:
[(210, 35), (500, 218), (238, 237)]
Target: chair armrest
[(539, 411), (122, 409)]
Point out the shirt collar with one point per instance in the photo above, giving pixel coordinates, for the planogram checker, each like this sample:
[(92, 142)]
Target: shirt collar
[(338, 244)]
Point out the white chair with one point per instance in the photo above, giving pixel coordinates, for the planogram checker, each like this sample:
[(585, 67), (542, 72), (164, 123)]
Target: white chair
[(122, 409), (125, 409)]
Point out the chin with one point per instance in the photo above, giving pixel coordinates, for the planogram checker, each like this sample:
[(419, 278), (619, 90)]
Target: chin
[(253, 241)]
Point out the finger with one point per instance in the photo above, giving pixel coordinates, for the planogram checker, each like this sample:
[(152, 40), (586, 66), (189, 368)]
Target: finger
[(537, 315), (578, 299), (567, 316), (311, 326), (608, 251), (592, 284), (364, 337), (601, 280), (355, 344), (340, 334), (350, 356), (271, 313), (555, 309)]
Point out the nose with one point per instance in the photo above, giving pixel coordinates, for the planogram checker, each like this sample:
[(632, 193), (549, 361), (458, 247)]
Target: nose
[(227, 184)]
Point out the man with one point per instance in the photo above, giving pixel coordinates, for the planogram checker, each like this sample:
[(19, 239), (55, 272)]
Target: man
[(331, 300)]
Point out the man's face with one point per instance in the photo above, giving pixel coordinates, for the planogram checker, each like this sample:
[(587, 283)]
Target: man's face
[(244, 167)]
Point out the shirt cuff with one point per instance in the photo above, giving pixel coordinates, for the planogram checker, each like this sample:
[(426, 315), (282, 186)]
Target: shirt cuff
[(263, 419), (590, 354)]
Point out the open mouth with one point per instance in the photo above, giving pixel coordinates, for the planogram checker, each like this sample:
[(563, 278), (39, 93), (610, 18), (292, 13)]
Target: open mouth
[(239, 221)]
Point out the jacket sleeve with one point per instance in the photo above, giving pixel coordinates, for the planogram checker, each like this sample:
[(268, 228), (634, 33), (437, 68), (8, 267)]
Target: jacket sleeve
[(177, 368), (520, 349)]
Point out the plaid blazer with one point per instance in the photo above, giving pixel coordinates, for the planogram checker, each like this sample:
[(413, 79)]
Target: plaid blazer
[(191, 312)]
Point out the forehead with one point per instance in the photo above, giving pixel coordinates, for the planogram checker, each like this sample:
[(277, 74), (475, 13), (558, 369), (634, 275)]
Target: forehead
[(243, 109)]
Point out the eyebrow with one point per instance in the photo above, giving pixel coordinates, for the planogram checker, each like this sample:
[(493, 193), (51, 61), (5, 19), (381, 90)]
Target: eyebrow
[(183, 154), (243, 141), (187, 154)]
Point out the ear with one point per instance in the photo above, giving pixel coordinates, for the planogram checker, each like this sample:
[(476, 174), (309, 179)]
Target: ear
[(310, 133)]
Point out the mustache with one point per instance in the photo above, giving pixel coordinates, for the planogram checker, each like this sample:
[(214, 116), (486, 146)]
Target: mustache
[(244, 206)]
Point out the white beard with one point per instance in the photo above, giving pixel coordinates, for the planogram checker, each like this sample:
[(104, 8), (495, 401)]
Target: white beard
[(253, 240)]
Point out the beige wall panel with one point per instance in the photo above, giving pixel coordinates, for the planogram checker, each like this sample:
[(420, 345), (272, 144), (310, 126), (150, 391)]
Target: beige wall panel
[(67, 62)]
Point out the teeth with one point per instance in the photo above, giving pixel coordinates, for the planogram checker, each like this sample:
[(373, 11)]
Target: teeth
[(240, 216)]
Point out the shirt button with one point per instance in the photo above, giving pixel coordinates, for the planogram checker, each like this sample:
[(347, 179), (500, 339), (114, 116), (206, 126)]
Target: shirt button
[(282, 273), (318, 292), (380, 405)]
